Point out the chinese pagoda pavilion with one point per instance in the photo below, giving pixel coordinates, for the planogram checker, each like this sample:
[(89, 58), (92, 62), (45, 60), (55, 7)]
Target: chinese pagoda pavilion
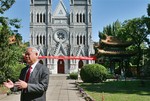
[(114, 51)]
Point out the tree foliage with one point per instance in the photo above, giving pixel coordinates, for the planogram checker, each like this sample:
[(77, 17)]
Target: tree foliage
[(111, 30), (137, 31), (11, 54), (5, 21), (5, 5), (147, 21)]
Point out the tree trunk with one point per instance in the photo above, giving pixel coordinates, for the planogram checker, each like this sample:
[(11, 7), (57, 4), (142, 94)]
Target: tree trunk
[(138, 61)]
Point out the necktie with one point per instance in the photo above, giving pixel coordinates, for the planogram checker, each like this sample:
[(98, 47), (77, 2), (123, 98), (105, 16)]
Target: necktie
[(28, 74)]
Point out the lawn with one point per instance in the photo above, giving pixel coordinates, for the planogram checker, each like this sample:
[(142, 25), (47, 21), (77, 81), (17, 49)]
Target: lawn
[(118, 91)]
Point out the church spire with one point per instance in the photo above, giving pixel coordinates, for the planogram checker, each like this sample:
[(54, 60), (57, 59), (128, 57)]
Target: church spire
[(60, 9)]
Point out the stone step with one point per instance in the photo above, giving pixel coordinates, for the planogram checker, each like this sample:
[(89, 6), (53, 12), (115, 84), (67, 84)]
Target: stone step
[(59, 76)]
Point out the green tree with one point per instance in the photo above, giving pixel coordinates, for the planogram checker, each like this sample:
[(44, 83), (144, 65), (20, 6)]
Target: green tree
[(111, 30), (146, 55), (136, 30), (5, 5), (10, 54), (147, 22), (5, 21), (114, 30)]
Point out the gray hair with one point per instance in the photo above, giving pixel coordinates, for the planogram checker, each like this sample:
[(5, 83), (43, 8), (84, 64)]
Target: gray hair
[(33, 50)]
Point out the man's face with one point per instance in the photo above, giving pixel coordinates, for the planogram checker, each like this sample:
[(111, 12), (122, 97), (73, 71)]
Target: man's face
[(31, 56)]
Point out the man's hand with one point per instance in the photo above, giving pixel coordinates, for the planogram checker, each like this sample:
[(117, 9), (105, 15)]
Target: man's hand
[(8, 84), (21, 84)]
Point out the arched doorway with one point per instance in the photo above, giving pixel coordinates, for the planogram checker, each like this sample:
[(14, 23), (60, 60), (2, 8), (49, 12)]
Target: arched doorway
[(80, 64), (41, 62), (60, 66)]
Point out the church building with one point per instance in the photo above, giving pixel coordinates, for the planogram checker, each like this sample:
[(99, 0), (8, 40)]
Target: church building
[(62, 33)]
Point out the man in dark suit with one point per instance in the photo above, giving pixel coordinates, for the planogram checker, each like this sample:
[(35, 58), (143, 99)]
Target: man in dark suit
[(34, 79)]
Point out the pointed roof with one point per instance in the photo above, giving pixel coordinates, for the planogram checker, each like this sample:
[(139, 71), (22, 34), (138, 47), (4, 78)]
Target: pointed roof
[(81, 51), (60, 9), (60, 49), (114, 41), (115, 53), (41, 53)]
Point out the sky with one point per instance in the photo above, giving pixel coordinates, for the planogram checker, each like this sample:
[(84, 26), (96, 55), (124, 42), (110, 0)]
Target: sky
[(104, 12)]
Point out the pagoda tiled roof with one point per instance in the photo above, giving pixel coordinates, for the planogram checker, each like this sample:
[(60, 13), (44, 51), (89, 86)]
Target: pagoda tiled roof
[(115, 53), (113, 41), (116, 43)]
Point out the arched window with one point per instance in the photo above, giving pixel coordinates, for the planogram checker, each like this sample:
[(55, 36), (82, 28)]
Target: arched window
[(80, 17), (72, 16), (84, 40), (31, 1), (37, 17), (71, 1), (40, 39), (84, 18), (31, 17), (77, 17), (44, 18), (44, 39), (31, 39), (40, 17), (49, 17), (90, 17), (37, 40), (89, 1), (49, 1), (77, 40), (50, 39), (80, 39), (80, 64)]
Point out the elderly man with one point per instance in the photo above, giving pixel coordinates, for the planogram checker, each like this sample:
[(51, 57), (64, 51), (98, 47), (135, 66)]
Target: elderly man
[(33, 80)]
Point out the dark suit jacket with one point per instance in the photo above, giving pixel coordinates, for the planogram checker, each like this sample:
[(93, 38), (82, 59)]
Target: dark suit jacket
[(37, 84)]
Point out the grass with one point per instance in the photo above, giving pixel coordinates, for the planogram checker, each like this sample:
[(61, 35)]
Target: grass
[(118, 91)]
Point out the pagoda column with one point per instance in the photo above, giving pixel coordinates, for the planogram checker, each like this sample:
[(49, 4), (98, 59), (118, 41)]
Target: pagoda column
[(122, 69), (111, 66), (119, 67)]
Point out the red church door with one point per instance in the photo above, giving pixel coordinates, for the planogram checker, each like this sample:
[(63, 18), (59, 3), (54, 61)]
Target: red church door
[(80, 64), (61, 66)]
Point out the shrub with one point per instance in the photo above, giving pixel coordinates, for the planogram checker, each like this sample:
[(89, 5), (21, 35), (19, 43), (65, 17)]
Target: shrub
[(92, 73), (110, 76), (73, 75)]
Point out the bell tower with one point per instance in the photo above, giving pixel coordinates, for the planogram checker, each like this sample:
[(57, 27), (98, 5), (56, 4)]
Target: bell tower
[(81, 23), (40, 18)]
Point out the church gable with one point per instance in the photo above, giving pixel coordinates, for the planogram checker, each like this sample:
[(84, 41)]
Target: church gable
[(60, 9), (74, 51), (41, 52), (51, 51), (60, 50), (81, 51)]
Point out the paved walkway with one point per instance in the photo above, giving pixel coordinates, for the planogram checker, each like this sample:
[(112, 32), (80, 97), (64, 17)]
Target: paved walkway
[(60, 89)]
